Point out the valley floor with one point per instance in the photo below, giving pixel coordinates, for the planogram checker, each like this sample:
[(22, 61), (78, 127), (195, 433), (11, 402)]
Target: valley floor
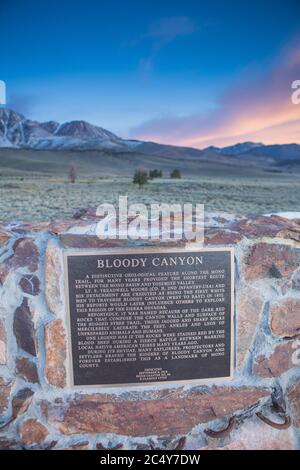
[(41, 197)]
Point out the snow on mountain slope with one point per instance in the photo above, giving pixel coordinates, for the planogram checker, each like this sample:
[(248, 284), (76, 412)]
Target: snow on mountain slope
[(11, 129), (50, 126), (133, 144), (84, 130), (237, 149), (19, 132), (281, 152)]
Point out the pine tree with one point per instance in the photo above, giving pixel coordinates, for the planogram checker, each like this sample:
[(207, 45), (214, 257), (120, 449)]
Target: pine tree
[(140, 178), (175, 174)]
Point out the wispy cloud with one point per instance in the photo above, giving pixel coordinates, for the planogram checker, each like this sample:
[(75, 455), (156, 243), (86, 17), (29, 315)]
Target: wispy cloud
[(162, 32), (255, 107), (165, 30), (22, 103)]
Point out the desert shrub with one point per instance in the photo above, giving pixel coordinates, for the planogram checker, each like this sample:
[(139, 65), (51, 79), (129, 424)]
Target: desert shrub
[(155, 174), (175, 174), (140, 177), (72, 174)]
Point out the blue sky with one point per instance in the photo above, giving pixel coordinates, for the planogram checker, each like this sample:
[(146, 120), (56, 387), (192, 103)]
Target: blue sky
[(140, 67)]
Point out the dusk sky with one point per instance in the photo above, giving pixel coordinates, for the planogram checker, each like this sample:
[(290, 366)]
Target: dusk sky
[(184, 72)]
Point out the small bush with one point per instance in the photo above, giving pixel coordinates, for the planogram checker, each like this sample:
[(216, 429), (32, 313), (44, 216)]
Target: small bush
[(140, 177), (72, 173), (175, 174), (155, 174)]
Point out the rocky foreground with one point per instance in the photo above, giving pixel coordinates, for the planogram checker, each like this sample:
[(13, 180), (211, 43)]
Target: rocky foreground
[(258, 409)]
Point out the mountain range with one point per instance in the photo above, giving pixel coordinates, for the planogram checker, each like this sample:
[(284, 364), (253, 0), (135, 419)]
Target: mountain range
[(17, 132)]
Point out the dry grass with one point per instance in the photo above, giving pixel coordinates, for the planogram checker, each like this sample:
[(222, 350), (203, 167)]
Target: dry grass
[(43, 198)]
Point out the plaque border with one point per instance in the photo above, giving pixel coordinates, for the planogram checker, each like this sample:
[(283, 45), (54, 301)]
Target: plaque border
[(137, 250)]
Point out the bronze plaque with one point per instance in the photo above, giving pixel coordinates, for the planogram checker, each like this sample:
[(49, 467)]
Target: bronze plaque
[(149, 316)]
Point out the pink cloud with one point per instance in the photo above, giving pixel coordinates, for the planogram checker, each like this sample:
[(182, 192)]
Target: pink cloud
[(257, 107)]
